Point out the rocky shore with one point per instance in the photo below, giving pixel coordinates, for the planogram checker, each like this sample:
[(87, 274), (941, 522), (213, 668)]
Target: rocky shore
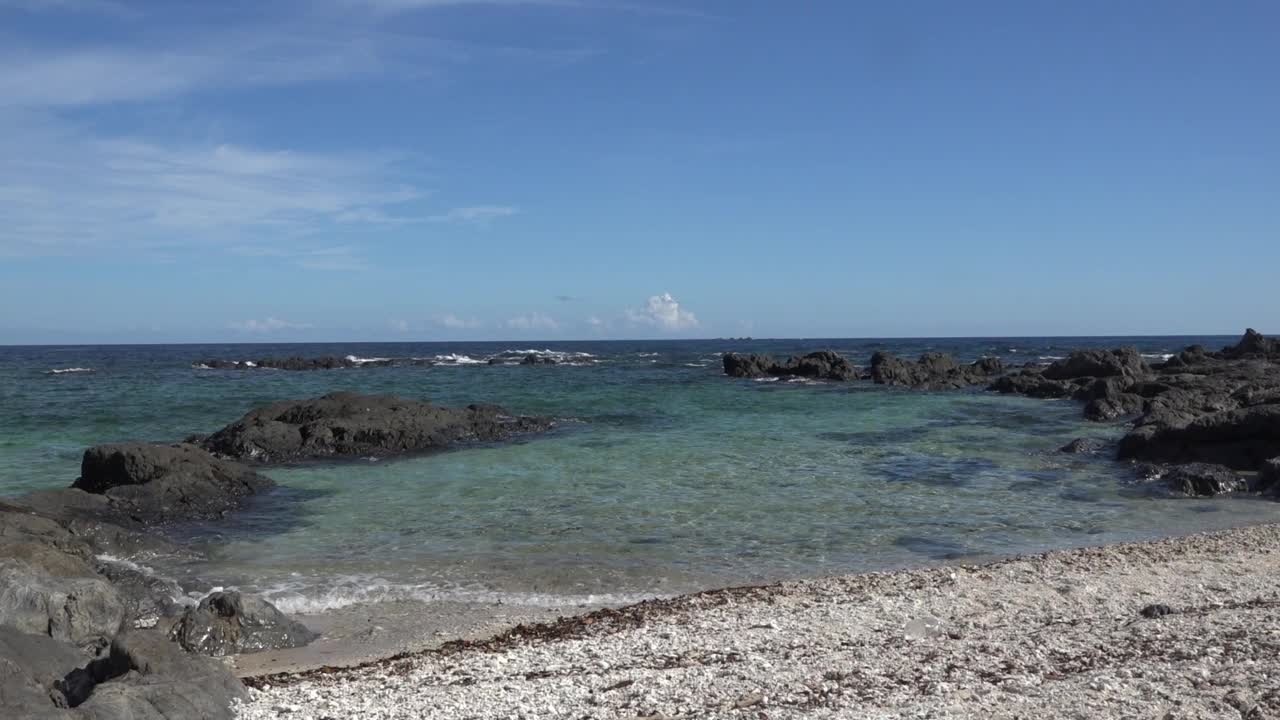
[(1175, 628), (1201, 423), (86, 633)]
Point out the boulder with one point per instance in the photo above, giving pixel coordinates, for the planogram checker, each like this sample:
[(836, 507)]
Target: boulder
[(346, 425), (1114, 407), (1126, 363), (147, 677), (820, 365), (747, 366), (1204, 479), (536, 359), (154, 483), (227, 623), (32, 672), (933, 371)]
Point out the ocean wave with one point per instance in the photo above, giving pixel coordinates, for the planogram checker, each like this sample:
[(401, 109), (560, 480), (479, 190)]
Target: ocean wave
[(361, 361), (348, 591), (766, 379), (643, 354), (64, 371), (1162, 357), (697, 365), (1051, 358), (456, 359)]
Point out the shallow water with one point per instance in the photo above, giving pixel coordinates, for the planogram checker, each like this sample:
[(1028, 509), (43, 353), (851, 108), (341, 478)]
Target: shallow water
[(663, 476)]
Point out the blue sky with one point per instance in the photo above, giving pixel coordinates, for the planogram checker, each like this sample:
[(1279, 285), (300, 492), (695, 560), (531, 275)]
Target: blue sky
[(560, 169)]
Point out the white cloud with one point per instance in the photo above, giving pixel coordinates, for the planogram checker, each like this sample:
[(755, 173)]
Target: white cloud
[(597, 324), (62, 190), (533, 321), (663, 311), (476, 215), (266, 326), (400, 326), (456, 323)]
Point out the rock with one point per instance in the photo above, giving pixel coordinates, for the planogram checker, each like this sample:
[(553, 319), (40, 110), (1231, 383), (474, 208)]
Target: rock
[(1081, 446), (933, 371), (48, 585), (1111, 408), (1204, 479), (227, 623), (347, 425), (1155, 610), (1240, 439), (1032, 383), (748, 366), (148, 677), (535, 359), (1121, 362), (292, 363), (32, 672), (165, 483), (819, 365), (1269, 476), (1253, 344)]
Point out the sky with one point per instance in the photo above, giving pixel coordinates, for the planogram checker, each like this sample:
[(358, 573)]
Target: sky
[(290, 170)]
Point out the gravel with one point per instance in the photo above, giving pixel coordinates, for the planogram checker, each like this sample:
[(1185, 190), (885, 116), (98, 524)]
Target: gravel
[(1065, 634)]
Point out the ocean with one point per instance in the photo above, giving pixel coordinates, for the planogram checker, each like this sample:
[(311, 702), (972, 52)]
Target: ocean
[(663, 476)]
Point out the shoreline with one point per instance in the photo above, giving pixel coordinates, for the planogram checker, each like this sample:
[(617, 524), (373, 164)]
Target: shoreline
[(1045, 634)]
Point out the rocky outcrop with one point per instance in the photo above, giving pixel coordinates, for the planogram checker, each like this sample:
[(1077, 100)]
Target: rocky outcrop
[(1242, 438), (1083, 446), (346, 425), (292, 363), (1123, 363), (933, 371), (227, 623), (820, 365), (155, 483), (531, 359)]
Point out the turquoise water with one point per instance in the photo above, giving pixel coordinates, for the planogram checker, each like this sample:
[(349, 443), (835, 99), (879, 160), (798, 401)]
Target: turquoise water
[(662, 476)]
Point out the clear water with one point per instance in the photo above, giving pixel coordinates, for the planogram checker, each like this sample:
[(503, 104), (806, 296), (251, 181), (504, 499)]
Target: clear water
[(664, 476)]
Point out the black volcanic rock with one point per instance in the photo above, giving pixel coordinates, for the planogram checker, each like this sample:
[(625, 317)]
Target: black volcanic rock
[(1204, 479), (1255, 345), (228, 623), (1082, 446), (536, 359), (933, 371), (328, 362), (1122, 362), (1242, 438), (819, 365), (346, 425), (155, 483)]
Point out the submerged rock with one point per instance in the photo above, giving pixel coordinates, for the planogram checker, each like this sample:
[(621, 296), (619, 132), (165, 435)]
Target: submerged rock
[(1081, 446), (227, 623), (155, 483), (346, 425)]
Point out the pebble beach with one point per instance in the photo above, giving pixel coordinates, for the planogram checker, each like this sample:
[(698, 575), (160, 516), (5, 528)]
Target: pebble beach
[(1175, 628)]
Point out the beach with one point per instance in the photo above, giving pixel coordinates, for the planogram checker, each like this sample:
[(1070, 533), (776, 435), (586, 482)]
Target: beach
[(1179, 628)]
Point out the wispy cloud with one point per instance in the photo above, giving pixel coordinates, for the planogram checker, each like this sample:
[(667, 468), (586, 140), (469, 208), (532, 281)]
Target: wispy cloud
[(453, 322), (62, 189), (566, 298), (267, 325), (664, 312), (533, 321), (476, 215), (398, 325)]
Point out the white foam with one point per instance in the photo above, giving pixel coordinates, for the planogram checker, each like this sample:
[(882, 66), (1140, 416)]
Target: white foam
[(249, 364), (457, 359), (293, 599), (766, 379), (360, 360), (64, 371), (201, 366), (1162, 357), (1052, 357)]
